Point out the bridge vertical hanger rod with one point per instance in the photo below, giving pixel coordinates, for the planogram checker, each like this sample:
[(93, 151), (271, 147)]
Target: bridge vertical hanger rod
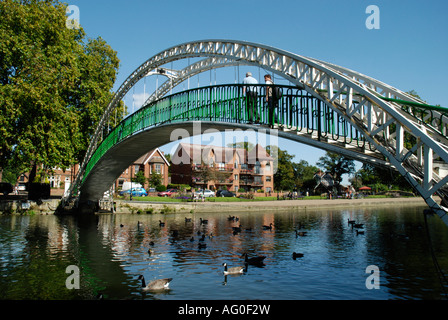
[(428, 168), (399, 140)]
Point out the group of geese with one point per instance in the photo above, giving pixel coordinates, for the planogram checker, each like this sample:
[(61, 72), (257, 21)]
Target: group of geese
[(163, 284)]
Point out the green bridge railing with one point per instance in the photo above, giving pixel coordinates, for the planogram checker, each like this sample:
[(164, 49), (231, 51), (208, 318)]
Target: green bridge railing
[(297, 111)]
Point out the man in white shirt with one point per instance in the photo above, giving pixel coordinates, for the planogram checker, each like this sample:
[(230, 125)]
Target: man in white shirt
[(251, 97)]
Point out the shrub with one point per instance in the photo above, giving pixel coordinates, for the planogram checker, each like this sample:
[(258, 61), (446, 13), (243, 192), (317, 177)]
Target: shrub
[(160, 188)]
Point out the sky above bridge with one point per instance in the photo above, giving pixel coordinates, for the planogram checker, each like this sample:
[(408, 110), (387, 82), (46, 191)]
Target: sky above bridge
[(407, 48)]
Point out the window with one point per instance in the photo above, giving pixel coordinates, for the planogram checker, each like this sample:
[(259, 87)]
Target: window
[(158, 168), (257, 167), (236, 188), (268, 178), (268, 189), (221, 166), (268, 166), (236, 177)]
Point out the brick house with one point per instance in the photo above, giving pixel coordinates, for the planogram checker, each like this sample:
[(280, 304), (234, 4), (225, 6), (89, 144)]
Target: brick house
[(152, 162), (233, 168)]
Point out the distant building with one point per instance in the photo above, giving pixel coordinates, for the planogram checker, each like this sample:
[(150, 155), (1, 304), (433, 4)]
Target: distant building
[(232, 168), (152, 162)]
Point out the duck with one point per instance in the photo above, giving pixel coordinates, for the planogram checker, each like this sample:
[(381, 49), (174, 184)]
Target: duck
[(202, 238), (254, 260), (161, 223), (269, 227), (121, 225), (230, 218), (187, 219), (232, 270), (203, 221), (192, 239), (159, 284), (151, 243), (297, 255), (237, 229), (301, 233), (202, 245), (149, 252)]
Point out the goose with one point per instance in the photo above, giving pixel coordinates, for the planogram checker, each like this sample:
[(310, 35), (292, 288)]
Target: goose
[(161, 223), (203, 221), (159, 284), (301, 233), (297, 255), (359, 232), (254, 260), (269, 227), (358, 225), (350, 221), (232, 270)]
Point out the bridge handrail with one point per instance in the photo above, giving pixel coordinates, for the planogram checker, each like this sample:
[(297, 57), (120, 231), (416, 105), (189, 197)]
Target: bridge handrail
[(224, 103)]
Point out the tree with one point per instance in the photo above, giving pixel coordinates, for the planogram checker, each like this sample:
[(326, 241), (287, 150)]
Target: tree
[(336, 165), (304, 174), (54, 86), (139, 178), (284, 178)]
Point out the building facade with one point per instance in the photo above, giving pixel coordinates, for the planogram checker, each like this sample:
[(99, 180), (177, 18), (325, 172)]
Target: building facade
[(214, 167), (153, 162)]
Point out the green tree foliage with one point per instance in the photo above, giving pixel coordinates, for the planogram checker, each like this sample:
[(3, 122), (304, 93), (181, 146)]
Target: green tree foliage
[(337, 165), (54, 85), (304, 175)]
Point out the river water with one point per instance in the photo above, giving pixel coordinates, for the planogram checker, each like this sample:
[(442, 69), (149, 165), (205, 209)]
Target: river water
[(408, 252)]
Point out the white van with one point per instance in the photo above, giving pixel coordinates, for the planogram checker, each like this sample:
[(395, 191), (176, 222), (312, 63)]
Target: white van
[(128, 185)]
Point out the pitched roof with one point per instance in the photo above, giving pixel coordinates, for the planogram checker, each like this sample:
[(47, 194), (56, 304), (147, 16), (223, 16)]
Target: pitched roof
[(148, 156), (198, 153)]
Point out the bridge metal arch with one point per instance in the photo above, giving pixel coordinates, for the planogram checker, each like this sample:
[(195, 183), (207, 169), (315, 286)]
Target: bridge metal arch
[(382, 122)]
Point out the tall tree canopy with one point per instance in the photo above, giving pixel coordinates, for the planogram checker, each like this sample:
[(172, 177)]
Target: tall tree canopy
[(337, 165), (54, 85)]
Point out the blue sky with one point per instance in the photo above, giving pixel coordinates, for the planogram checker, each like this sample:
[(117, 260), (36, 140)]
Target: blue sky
[(409, 51)]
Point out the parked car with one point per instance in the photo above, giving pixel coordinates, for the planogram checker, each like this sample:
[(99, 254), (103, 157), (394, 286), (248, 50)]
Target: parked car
[(136, 192), (5, 188), (225, 193), (167, 193), (204, 193)]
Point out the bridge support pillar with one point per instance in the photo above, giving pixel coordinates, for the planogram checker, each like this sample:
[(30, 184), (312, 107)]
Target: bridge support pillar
[(88, 207)]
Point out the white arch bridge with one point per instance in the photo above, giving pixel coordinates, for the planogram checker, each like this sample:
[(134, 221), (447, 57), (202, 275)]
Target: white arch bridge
[(326, 106)]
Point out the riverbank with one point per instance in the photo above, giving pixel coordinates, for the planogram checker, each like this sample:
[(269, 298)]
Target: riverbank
[(147, 207), (123, 206)]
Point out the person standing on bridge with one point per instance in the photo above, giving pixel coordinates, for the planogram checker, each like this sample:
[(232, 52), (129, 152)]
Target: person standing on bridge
[(251, 97), (270, 100)]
